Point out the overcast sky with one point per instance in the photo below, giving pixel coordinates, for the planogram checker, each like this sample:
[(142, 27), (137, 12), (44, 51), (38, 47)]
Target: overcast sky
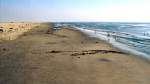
[(75, 10)]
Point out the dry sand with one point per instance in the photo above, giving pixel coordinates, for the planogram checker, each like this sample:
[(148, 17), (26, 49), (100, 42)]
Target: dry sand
[(42, 57)]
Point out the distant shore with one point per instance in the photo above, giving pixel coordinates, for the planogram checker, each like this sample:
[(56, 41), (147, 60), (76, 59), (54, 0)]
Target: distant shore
[(67, 56)]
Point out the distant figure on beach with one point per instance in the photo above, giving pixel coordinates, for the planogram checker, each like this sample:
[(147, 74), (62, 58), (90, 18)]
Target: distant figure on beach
[(108, 36), (95, 31), (146, 34), (115, 37)]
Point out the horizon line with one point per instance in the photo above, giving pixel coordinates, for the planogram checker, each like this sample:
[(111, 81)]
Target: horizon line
[(70, 21)]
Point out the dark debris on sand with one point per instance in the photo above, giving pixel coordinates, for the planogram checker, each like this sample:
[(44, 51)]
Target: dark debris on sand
[(86, 52), (95, 52)]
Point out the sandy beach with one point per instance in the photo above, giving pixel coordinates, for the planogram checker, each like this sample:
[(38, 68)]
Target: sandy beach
[(67, 56)]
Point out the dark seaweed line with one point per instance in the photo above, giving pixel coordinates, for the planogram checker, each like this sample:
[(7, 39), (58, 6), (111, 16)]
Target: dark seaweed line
[(87, 52)]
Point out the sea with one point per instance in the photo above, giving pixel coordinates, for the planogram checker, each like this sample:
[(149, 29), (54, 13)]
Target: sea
[(133, 38)]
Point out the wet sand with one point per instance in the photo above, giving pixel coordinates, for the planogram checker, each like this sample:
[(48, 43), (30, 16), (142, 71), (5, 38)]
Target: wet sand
[(41, 56)]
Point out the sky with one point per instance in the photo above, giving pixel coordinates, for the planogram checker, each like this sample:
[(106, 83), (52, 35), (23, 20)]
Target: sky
[(75, 10)]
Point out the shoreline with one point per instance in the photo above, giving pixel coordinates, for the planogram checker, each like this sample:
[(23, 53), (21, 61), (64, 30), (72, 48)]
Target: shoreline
[(117, 46), (67, 56)]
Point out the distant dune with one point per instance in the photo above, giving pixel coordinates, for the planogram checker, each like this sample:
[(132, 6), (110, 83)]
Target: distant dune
[(10, 31)]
